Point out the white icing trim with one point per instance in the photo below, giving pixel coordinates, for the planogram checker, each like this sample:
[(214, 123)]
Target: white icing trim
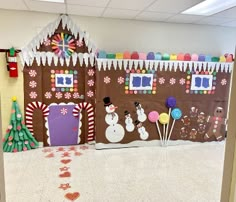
[(183, 66), (47, 127)]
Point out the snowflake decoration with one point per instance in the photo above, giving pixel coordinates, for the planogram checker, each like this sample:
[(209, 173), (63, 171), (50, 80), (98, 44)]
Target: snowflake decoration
[(67, 95), (64, 111), (91, 72), (58, 95), (33, 95), (172, 81), (161, 80), (120, 80), (182, 81), (79, 43), (90, 93), (48, 95), (107, 79), (32, 73), (223, 82), (47, 42), (91, 82), (32, 84), (76, 95)]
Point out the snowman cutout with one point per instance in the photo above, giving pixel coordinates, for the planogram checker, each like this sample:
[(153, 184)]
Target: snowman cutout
[(128, 122), (142, 131), (114, 132), (140, 112)]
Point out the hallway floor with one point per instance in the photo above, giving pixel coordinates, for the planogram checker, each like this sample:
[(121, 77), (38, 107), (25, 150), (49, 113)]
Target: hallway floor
[(189, 173)]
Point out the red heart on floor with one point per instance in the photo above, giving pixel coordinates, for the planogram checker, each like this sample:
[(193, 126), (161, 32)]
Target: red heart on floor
[(50, 155), (65, 174), (72, 196), (65, 161)]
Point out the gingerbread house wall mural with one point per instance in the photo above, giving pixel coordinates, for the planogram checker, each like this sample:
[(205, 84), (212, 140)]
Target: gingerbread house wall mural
[(59, 84), (159, 97)]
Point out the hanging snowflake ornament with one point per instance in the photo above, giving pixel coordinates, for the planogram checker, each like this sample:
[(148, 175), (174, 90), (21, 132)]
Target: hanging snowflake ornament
[(90, 93), (107, 80), (161, 80), (32, 73), (58, 95), (33, 95), (90, 82), (120, 80), (48, 95), (172, 81), (182, 81), (32, 84), (91, 72), (47, 42), (79, 43), (64, 111), (223, 82), (67, 95)]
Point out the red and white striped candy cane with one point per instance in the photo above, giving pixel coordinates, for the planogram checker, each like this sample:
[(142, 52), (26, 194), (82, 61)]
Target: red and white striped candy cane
[(29, 113), (90, 110)]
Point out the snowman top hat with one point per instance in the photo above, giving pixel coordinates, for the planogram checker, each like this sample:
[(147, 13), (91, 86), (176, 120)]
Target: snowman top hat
[(126, 112), (107, 101), (137, 122), (136, 104)]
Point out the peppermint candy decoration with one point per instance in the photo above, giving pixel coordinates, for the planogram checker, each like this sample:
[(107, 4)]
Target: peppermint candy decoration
[(182, 81), (91, 72), (107, 80), (58, 95), (32, 73), (90, 93), (120, 80), (33, 95), (67, 95), (172, 81), (32, 84), (161, 80), (48, 95), (91, 82)]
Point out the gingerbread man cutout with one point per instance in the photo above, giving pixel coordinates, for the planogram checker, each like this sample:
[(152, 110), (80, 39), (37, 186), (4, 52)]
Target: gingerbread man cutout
[(216, 122)]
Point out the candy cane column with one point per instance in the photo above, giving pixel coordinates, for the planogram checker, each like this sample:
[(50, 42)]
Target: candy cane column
[(90, 110)]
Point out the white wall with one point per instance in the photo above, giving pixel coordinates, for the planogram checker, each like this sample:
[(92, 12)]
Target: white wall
[(18, 28)]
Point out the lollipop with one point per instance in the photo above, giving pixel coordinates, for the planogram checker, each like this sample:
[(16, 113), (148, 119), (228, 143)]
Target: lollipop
[(153, 117), (176, 115), (164, 119), (170, 103)]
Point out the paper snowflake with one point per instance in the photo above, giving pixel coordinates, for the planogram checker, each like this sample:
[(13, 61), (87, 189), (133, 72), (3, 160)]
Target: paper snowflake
[(33, 95), (223, 82), (91, 82), (32, 84), (161, 80), (90, 93), (107, 79), (67, 95), (64, 111), (172, 81), (120, 80), (32, 73), (91, 72), (58, 95), (182, 81), (48, 95)]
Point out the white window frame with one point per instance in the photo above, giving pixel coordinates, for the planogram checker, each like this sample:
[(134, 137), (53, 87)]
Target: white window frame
[(194, 87), (131, 77), (64, 85)]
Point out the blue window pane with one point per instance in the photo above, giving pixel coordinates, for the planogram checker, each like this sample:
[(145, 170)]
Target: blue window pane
[(205, 82), (60, 80), (68, 81), (198, 81), (146, 81), (136, 81)]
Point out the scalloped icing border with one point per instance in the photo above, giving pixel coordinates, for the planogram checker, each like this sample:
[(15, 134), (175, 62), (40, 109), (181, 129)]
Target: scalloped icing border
[(47, 127)]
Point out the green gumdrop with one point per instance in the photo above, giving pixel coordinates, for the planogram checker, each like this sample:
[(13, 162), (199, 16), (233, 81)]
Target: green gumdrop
[(12, 51)]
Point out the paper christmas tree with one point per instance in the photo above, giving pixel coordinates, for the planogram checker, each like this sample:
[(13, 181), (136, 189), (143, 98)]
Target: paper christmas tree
[(18, 137)]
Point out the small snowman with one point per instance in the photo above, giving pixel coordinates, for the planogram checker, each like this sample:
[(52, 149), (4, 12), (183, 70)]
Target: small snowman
[(129, 122), (114, 132), (140, 112), (142, 131)]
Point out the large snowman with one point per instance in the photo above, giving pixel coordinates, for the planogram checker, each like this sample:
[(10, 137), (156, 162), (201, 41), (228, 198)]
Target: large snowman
[(114, 132), (128, 122), (140, 112)]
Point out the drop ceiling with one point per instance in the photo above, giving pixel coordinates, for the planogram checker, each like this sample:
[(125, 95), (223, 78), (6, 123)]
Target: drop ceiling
[(147, 10)]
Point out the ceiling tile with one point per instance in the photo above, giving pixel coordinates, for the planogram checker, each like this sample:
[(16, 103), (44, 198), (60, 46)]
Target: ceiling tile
[(13, 4), (84, 10), (153, 16), (230, 24), (230, 13), (46, 6), (170, 6), (180, 18), (214, 21), (95, 3), (130, 4), (120, 13)]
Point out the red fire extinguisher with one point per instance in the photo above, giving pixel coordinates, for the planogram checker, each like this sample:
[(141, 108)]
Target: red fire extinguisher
[(12, 62)]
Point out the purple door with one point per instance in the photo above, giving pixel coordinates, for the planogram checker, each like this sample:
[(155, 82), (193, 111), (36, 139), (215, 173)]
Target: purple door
[(62, 125)]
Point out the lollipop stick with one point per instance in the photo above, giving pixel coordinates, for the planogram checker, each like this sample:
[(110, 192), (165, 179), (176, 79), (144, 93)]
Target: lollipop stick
[(167, 127), (159, 132), (171, 131), (164, 132)]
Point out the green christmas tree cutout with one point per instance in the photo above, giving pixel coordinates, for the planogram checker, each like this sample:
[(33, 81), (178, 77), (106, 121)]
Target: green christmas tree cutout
[(18, 137)]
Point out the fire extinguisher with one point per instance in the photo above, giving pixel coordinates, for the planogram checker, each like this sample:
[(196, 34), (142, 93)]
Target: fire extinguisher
[(12, 62)]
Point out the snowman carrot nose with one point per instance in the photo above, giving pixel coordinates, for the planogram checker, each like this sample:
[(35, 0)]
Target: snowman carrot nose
[(111, 108)]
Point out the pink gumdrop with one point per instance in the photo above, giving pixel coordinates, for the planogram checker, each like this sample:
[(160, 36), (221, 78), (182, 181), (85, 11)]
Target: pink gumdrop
[(153, 116)]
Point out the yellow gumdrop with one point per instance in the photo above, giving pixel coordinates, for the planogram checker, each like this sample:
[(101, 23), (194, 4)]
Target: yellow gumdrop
[(164, 118), (14, 98)]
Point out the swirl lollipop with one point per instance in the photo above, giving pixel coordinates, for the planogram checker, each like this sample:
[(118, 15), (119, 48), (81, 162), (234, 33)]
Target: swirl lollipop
[(176, 115), (170, 103), (153, 117), (164, 119)]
